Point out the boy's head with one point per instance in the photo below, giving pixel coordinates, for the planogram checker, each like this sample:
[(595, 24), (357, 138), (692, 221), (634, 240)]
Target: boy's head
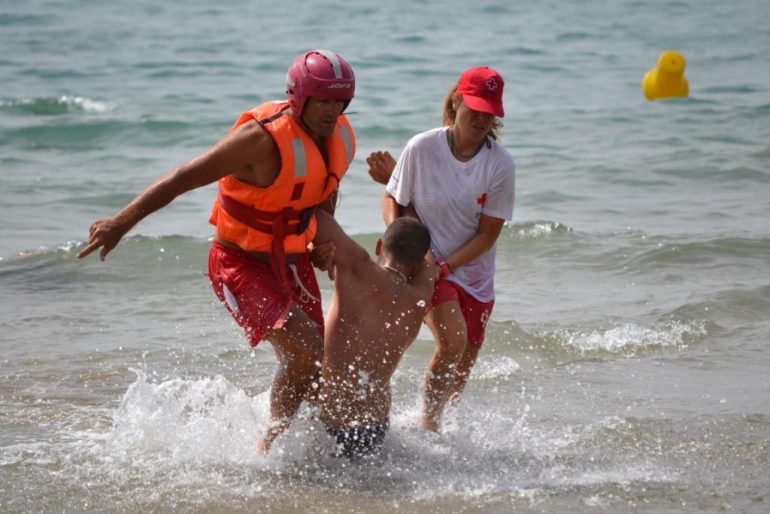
[(406, 240)]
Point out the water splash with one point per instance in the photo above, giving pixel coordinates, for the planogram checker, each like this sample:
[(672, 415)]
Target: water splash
[(189, 442), (206, 420)]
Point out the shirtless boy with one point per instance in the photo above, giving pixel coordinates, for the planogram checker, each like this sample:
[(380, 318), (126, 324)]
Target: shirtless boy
[(375, 314)]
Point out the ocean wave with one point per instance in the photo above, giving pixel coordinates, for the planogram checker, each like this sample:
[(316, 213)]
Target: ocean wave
[(638, 253), (89, 135), (131, 244), (714, 251), (623, 339), (763, 154), (761, 110), (525, 50), (741, 89), (538, 229), (731, 304), (54, 106), (50, 268), (34, 259), (574, 36), (630, 338), (25, 20)]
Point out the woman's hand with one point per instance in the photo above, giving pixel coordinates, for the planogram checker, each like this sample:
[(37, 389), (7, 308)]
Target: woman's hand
[(381, 165)]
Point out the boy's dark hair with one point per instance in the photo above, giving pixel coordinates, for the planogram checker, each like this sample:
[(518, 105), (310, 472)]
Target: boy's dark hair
[(406, 240)]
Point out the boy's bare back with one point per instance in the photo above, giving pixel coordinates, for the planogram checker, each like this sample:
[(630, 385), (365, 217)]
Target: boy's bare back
[(375, 314)]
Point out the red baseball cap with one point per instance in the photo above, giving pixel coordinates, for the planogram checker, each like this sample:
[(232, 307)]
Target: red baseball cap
[(482, 90)]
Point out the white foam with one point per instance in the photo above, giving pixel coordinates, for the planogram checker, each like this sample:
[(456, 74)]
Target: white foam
[(539, 229), (495, 367), (87, 104), (630, 336)]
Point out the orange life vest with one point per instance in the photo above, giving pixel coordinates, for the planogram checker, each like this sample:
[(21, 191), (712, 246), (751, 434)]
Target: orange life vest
[(257, 219)]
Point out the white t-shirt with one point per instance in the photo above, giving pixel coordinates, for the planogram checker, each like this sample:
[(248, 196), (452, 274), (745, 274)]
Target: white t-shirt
[(450, 196)]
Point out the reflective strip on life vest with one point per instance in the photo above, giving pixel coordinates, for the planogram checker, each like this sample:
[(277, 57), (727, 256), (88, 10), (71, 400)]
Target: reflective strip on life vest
[(300, 158), (347, 140)]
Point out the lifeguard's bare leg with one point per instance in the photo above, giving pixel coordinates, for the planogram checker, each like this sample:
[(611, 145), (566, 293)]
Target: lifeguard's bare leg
[(298, 348), (464, 367), (450, 334)]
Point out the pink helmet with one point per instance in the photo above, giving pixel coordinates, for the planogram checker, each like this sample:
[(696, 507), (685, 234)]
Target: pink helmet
[(322, 74)]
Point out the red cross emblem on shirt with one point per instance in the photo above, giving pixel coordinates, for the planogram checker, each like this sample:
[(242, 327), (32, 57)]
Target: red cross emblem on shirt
[(481, 200)]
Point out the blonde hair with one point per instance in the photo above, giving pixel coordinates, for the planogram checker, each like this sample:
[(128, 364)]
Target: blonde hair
[(449, 115)]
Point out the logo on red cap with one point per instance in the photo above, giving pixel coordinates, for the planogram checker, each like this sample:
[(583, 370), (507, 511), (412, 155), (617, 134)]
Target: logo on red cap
[(482, 90)]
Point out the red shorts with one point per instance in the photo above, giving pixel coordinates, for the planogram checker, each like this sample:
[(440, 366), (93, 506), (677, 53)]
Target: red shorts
[(256, 298), (475, 313)]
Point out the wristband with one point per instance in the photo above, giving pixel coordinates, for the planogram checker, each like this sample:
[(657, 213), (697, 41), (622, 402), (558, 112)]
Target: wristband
[(444, 267)]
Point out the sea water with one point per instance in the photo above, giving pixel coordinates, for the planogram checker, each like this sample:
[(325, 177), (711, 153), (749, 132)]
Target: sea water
[(626, 367)]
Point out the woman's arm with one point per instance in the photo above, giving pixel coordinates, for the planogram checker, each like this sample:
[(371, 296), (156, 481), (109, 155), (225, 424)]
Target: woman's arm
[(390, 209), (485, 238)]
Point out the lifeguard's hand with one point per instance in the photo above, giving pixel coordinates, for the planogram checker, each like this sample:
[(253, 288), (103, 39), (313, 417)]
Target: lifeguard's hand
[(381, 165), (322, 256), (104, 234)]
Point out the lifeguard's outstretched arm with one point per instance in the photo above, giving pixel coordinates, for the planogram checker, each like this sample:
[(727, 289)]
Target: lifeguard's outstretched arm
[(236, 151)]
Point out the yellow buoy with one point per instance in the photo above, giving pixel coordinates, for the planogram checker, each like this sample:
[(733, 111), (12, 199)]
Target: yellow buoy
[(667, 78)]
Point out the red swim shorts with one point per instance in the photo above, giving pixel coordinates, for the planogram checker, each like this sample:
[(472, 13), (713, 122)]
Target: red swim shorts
[(475, 313), (255, 297)]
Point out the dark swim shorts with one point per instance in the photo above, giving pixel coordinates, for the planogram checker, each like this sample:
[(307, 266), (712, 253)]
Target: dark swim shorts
[(359, 441)]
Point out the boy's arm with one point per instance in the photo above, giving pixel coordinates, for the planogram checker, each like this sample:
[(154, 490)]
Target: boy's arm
[(348, 255)]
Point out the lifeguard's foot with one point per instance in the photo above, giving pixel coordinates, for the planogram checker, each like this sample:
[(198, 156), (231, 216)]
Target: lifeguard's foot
[(263, 446), (276, 429), (429, 424)]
